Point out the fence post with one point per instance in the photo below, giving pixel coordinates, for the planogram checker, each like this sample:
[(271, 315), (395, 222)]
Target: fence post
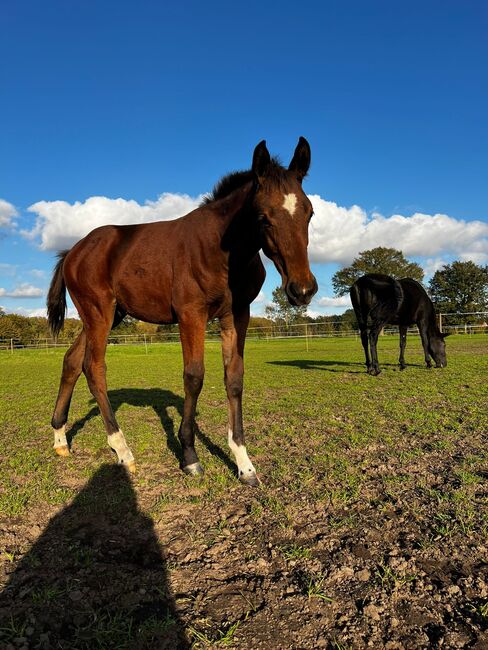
[(306, 335), (11, 346), (440, 323), (145, 343)]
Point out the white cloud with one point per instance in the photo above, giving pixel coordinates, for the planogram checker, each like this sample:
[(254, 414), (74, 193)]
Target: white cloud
[(38, 273), (341, 301), (433, 264), (37, 311), (260, 298), (60, 224), (23, 290), (7, 213), (8, 269), (338, 234)]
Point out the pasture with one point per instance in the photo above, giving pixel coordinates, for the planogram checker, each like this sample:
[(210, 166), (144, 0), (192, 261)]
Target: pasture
[(370, 526)]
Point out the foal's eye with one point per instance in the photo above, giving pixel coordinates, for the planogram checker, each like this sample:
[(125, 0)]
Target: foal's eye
[(263, 221)]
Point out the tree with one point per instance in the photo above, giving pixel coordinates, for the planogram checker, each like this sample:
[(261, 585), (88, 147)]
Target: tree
[(377, 260), (460, 287), (280, 309)]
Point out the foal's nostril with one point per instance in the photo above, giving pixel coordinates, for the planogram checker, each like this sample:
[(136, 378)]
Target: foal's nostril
[(301, 293)]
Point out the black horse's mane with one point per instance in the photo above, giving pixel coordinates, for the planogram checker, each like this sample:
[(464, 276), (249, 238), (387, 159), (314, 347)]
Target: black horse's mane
[(275, 172)]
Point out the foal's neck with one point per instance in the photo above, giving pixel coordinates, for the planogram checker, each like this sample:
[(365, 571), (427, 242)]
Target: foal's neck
[(238, 223)]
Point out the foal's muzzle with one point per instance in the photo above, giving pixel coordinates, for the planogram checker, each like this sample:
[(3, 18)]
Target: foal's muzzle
[(301, 294)]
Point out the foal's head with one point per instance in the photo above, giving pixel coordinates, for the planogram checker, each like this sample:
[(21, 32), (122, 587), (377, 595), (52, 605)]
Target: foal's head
[(284, 212)]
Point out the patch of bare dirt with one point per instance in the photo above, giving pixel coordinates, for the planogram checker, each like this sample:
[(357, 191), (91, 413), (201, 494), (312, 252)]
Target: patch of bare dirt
[(383, 570)]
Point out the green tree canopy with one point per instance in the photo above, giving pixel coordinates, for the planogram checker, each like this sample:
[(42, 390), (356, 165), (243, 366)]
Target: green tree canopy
[(280, 311), (460, 287), (377, 260)]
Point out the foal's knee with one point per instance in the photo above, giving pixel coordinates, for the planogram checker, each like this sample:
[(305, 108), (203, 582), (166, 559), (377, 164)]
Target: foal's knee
[(193, 378), (234, 386)]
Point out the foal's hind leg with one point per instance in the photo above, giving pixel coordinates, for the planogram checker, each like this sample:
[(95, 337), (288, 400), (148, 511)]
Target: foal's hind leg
[(97, 326), (72, 364), (192, 335), (233, 333)]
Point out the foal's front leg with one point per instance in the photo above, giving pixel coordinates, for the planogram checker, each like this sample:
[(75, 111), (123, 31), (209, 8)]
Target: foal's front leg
[(233, 333), (192, 335)]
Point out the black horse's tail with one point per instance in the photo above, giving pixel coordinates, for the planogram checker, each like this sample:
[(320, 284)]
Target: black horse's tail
[(398, 294), (56, 297), (356, 303)]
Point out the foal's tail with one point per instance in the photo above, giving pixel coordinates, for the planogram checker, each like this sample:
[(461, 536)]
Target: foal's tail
[(56, 297)]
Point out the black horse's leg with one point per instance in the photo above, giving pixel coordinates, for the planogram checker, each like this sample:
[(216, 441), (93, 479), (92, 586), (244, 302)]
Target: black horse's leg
[(425, 343), (365, 342), (403, 343), (72, 364), (373, 342), (192, 335), (233, 333)]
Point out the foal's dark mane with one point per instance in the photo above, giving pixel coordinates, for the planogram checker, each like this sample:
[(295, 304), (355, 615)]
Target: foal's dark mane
[(275, 173)]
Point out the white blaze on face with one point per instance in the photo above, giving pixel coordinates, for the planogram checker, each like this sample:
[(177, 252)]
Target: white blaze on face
[(290, 203)]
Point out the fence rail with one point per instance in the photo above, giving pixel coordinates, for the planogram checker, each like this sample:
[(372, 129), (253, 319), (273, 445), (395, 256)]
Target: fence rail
[(330, 329)]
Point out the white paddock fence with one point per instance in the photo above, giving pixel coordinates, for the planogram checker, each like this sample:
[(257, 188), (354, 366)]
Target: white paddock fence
[(330, 329)]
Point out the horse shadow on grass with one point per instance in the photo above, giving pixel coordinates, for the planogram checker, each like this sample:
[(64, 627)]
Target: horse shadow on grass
[(95, 578), (322, 364), (161, 401), (317, 364)]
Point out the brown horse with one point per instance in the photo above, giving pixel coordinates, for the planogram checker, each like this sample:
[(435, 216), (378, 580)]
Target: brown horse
[(204, 265)]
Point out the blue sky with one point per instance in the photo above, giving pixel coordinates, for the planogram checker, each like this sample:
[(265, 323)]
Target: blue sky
[(151, 102)]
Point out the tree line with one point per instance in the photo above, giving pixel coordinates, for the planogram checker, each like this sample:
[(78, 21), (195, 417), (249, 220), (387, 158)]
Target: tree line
[(458, 287)]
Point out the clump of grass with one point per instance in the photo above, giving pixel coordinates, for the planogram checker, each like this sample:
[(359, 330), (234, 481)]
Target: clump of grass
[(296, 552), (222, 637)]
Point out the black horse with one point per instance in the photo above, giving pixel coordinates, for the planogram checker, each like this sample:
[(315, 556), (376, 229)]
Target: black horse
[(382, 300)]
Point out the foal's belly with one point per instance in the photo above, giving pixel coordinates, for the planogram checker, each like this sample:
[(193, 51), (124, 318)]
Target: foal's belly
[(145, 299)]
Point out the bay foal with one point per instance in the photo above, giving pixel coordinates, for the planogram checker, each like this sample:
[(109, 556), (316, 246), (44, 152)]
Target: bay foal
[(201, 266)]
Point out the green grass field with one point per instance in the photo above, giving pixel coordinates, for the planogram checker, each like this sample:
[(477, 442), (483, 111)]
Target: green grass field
[(303, 411), (324, 436)]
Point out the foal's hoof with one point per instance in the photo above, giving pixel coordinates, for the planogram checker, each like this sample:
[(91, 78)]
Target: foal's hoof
[(249, 478), (131, 466), (62, 451), (195, 469)]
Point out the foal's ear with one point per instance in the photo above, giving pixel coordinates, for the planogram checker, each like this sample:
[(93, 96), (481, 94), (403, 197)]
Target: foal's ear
[(301, 159), (260, 160)]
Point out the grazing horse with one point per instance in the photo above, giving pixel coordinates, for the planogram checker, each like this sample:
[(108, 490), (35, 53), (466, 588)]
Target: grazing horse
[(201, 266), (384, 300)]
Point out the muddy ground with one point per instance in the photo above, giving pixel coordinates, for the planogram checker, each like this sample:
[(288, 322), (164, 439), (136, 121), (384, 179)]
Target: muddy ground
[(379, 571)]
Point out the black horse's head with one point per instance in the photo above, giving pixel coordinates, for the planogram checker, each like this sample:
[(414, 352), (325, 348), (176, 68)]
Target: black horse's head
[(437, 349)]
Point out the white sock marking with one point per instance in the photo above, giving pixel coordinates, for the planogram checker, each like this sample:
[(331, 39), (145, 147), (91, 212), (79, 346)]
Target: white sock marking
[(244, 465), (119, 445), (290, 203), (60, 437)]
